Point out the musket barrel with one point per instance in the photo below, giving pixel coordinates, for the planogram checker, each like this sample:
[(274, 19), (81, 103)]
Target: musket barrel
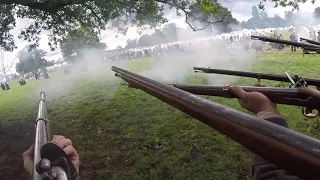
[(293, 151), (312, 49), (49, 159), (257, 75), (281, 41), (310, 41), (41, 134)]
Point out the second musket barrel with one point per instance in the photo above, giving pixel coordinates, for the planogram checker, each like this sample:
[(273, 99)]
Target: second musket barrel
[(310, 41), (257, 75), (281, 41)]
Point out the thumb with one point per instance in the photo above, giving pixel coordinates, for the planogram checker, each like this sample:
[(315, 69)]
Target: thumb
[(239, 92), (309, 91), (29, 152)]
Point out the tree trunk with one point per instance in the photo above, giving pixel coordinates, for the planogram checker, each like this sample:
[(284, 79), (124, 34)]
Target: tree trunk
[(5, 76)]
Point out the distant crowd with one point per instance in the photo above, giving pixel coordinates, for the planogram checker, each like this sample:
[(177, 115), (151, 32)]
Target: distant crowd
[(224, 42), (240, 40), (21, 79)]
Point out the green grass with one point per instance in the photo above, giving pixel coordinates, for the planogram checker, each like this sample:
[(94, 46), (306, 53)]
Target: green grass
[(124, 133), (17, 103)]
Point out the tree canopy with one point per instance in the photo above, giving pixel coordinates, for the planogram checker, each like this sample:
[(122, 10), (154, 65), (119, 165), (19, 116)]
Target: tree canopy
[(59, 17), (79, 40), (131, 43), (31, 60), (260, 19), (316, 13), (285, 3), (167, 34)]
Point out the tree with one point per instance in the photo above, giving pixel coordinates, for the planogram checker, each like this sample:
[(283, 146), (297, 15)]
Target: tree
[(158, 38), (290, 17), (277, 21), (204, 21), (155, 38), (200, 18), (31, 61), (79, 40), (131, 43), (264, 20), (255, 12), (164, 35), (285, 3), (263, 15), (256, 17), (316, 13), (119, 47), (144, 40), (170, 32), (5, 64), (58, 17)]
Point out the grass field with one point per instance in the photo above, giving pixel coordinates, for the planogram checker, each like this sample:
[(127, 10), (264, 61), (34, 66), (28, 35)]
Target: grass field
[(123, 133)]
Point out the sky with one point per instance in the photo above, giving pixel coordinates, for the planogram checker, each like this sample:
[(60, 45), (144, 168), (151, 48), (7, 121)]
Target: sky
[(241, 10)]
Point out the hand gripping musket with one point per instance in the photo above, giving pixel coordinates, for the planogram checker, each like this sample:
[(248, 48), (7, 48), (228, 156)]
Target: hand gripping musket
[(288, 96), (294, 152), (298, 81), (50, 161)]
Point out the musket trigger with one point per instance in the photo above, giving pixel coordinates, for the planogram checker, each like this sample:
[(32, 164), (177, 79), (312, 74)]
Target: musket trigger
[(226, 87)]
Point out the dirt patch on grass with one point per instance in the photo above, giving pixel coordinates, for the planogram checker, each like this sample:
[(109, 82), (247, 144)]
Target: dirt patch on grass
[(193, 155), (15, 139)]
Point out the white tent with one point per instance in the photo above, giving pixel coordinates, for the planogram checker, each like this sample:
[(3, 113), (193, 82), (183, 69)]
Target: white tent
[(303, 33)]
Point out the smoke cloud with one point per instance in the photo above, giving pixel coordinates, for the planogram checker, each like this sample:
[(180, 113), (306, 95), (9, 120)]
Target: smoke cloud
[(175, 68), (59, 84)]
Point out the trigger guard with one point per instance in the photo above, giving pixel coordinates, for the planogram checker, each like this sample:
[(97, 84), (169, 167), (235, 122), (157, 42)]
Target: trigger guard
[(308, 113)]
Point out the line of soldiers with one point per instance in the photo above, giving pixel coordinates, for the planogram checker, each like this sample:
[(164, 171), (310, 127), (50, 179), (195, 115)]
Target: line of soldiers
[(277, 45), (225, 43), (293, 37), (5, 86)]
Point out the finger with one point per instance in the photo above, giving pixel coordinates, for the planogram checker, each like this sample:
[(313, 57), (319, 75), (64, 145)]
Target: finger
[(29, 152), (71, 151), (311, 92), (242, 103), (57, 138), (73, 154), (239, 92), (64, 142)]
